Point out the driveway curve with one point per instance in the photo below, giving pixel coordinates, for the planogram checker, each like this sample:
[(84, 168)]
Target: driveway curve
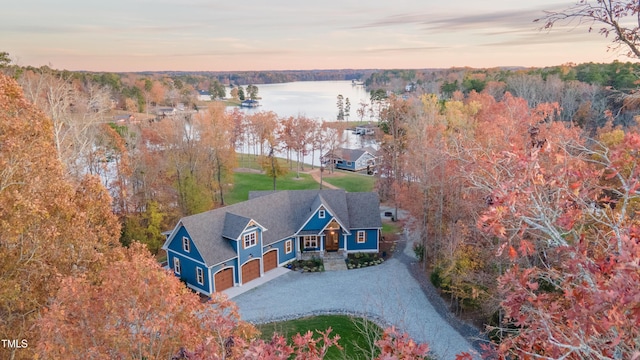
[(387, 292)]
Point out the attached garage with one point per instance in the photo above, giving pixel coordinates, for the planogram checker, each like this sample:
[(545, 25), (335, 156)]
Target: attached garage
[(250, 271), (270, 260), (223, 279)]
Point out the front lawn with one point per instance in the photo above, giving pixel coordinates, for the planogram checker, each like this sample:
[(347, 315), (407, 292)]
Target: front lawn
[(355, 333)]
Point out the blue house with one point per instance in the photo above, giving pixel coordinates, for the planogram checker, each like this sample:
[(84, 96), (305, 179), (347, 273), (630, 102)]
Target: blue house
[(351, 159), (230, 246)]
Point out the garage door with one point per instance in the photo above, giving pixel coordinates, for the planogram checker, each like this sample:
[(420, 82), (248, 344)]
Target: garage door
[(270, 260), (250, 271), (224, 279)]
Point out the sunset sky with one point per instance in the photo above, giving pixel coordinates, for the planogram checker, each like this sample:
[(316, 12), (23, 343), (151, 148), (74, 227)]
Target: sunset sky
[(210, 35)]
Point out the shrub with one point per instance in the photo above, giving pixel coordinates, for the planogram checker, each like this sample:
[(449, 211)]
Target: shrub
[(418, 249)]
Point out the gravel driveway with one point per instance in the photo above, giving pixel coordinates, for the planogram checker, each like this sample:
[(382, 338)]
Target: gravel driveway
[(387, 292)]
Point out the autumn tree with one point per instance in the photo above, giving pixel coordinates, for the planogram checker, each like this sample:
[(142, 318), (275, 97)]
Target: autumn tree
[(568, 293), (49, 228), (216, 137), (153, 317), (616, 18)]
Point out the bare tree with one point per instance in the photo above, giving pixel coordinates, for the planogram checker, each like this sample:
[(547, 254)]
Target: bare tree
[(75, 111), (618, 18)]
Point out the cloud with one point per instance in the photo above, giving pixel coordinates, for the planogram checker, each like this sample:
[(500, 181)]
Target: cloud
[(520, 18), (403, 49)]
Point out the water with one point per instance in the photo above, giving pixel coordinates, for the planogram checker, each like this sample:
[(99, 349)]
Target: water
[(313, 99), (316, 100)]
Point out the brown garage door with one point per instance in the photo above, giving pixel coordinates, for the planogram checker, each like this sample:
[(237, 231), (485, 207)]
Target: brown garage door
[(224, 279), (250, 271), (270, 260)]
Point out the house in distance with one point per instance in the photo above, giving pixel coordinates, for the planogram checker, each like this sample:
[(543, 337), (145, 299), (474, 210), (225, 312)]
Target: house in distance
[(232, 245), (351, 159)]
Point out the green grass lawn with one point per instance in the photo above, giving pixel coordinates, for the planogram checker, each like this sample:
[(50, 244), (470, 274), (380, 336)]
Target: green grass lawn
[(349, 328), (352, 182), (245, 182), (391, 228)]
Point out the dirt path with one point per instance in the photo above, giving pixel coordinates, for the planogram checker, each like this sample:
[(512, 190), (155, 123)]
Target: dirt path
[(315, 174)]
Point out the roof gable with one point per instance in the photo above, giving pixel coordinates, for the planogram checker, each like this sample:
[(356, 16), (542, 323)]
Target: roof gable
[(283, 213)]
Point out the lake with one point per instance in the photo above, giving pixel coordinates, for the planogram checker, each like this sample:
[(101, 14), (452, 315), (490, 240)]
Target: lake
[(313, 99)]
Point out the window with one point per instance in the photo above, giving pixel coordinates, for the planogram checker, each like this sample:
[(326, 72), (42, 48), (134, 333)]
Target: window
[(361, 237), (288, 247), (200, 276), (348, 163), (321, 214), (186, 246), (176, 266), (250, 240), (310, 241)]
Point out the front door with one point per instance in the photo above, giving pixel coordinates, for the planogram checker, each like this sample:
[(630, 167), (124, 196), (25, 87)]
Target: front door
[(331, 240)]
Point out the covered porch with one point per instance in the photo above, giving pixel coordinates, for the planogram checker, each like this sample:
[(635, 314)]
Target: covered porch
[(331, 239)]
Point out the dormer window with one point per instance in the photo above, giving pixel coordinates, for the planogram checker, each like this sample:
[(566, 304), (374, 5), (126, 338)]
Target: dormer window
[(186, 245), (321, 214), (250, 240)]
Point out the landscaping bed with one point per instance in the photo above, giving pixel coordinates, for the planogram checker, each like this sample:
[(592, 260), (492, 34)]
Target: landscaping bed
[(360, 260), (311, 265)]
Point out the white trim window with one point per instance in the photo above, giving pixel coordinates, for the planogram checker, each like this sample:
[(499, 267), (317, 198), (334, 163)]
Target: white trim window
[(177, 268), (249, 240), (361, 237), (321, 214), (310, 241), (200, 275), (288, 247), (186, 245)]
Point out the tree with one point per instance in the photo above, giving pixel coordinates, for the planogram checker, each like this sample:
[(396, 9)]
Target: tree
[(216, 136), (347, 108), (49, 227), (153, 317), (217, 90), (5, 60), (362, 109), (619, 18), (340, 104), (75, 110), (241, 95), (252, 92)]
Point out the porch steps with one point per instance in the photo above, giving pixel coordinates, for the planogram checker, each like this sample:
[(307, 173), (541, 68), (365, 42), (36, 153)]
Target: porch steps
[(334, 261)]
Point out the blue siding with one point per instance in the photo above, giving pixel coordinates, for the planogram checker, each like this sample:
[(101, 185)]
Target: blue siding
[(176, 245), (282, 256), (371, 242), (315, 223), (344, 165), (188, 271), (254, 252)]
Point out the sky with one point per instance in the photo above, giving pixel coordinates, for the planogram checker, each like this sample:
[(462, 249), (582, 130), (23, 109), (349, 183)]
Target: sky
[(212, 35)]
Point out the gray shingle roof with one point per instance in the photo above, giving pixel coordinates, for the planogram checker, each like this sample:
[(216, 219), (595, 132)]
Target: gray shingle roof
[(281, 213)]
